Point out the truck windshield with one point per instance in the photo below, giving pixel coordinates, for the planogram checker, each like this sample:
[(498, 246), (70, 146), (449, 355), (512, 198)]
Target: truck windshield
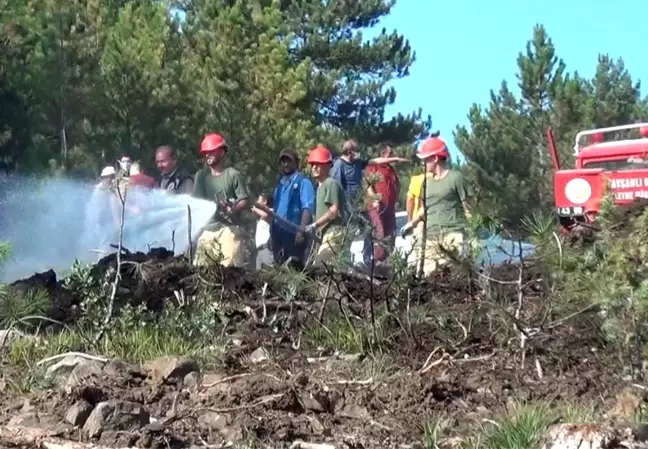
[(632, 163)]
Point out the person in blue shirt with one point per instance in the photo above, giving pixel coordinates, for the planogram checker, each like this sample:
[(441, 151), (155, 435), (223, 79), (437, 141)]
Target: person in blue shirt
[(294, 201)]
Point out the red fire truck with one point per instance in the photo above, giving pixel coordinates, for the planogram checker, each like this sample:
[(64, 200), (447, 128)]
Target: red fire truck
[(619, 167)]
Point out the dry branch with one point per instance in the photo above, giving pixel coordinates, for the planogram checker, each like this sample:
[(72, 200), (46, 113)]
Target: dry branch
[(115, 283), (303, 445), (75, 354)]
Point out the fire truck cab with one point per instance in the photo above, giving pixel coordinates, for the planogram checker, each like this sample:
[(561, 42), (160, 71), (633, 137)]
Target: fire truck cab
[(619, 167)]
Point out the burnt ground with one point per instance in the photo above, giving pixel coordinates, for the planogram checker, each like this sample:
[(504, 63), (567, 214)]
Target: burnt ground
[(448, 346), (622, 217)]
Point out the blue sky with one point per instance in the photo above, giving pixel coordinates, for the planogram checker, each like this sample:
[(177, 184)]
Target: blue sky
[(464, 48)]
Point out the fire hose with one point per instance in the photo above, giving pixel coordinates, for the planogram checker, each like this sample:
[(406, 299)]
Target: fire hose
[(316, 238)]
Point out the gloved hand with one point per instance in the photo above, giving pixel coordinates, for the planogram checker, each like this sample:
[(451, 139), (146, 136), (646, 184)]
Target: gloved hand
[(310, 229), (409, 226)]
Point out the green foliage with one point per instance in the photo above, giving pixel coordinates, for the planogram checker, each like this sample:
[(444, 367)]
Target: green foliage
[(520, 428), (540, 226), (505, 145), (16, 309), (81, 83), (5, 251), (617, 269), (349, 335), (136, 336)]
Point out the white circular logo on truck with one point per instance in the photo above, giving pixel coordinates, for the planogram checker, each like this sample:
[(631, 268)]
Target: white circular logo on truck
[(578, 191)]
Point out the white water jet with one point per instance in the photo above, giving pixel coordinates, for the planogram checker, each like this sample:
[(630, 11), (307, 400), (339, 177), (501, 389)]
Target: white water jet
[(51, 223)]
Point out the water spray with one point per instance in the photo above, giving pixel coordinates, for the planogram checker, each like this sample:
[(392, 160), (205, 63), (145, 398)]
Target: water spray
[(53, 222)]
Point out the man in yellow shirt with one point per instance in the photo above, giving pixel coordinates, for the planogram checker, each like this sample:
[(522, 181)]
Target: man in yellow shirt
[(413, 199)]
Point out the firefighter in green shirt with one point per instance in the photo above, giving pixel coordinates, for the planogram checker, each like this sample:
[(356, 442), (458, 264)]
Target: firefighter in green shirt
[(330, 207), (223, 239), (444, 217)]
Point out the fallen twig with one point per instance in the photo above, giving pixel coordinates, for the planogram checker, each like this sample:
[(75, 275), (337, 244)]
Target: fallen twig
[(538, 368), (75, 354), (237, 376), (263, 400), (355, 382), (479, 358), (304, 445), (324, 301), (568, 317), (189, 242), (264, 292), (427, 366)]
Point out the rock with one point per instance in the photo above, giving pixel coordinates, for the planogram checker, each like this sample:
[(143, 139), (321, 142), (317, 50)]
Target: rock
[(578, 436), (27, 407), (78, 414), (68, 364), (116, 368), (212, 421), (453, 443), (115, 416), (33, 419), (351, 357), (211, 379), (232, 434), (640, 432), (7, 337), (259, 355), (83, 371), (170, 368), (626, 406), (192, 381), (212, 384), (355, 412), (316, 426), (310, 403)]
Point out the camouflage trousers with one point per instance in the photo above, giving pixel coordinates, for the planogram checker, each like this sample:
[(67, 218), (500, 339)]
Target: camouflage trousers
[(227, 245), (437, 249), (330, 247)]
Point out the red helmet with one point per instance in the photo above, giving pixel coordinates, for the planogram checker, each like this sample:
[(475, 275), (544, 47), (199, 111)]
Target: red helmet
[(320, 155), (434, 146), (212, 142)]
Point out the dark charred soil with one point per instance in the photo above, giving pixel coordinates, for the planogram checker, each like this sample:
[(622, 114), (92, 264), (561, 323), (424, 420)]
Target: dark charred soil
[(452, 347)]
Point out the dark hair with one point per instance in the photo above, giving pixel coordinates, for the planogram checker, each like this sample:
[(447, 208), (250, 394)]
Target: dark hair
[(169, 148), (4, 167), (350, 145), (268, 197)]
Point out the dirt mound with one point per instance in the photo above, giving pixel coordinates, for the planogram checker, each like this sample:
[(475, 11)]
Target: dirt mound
[(280, 394), (454, 344), (154, 278)]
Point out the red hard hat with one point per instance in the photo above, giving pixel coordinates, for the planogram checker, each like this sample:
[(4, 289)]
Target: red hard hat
[(434, 146), (212, 142), (320, 155)]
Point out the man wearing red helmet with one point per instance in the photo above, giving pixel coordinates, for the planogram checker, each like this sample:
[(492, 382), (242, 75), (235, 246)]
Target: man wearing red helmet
[(444, 217), (224, 238), (330, 206)]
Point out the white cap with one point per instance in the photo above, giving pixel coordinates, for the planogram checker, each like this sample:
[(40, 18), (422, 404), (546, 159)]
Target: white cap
[(108, 171)]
